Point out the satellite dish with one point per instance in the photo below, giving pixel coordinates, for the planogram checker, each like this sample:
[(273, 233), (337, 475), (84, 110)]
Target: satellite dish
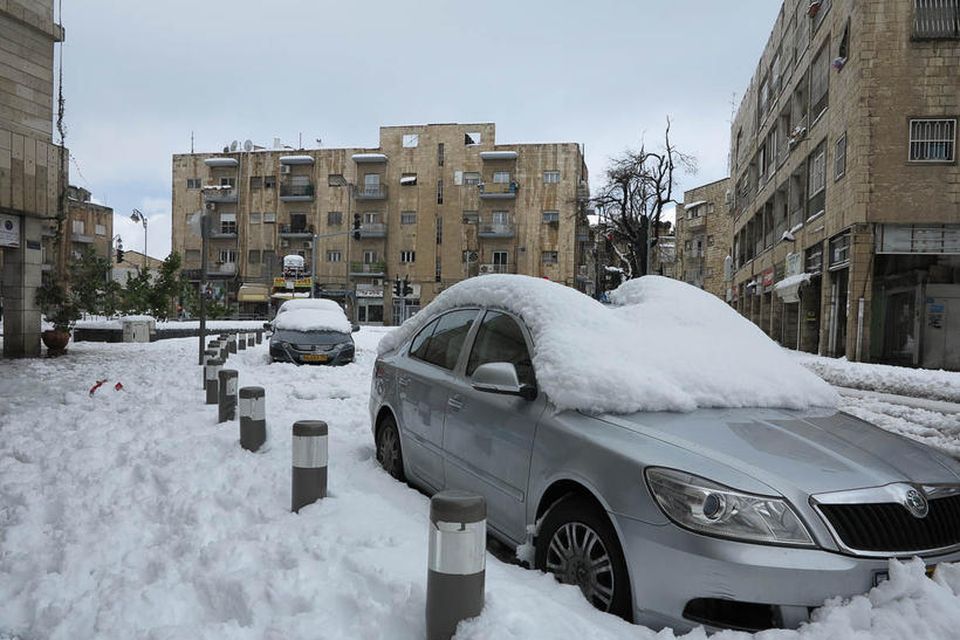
[(248, 145), (226, 149), (234, 145)]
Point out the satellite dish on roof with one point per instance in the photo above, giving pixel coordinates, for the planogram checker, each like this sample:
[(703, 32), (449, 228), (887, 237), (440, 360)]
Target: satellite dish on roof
[(226, 149), (248, 145), (234, 145)]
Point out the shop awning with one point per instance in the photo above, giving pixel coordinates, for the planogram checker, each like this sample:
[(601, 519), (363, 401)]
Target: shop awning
[(789, 288), (253, 293)]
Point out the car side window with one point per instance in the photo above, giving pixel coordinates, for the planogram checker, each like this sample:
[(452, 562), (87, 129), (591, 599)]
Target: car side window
[(418, 348), (500, 339), (444, 346)]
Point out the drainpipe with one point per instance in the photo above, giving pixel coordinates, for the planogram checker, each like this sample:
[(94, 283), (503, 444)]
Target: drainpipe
[(860, 330)]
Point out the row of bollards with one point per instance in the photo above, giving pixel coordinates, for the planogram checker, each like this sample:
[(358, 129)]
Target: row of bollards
[(456, 560)]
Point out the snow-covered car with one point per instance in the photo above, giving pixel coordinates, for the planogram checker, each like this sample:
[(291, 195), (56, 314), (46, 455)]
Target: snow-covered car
[(662, 454), (312, 334)]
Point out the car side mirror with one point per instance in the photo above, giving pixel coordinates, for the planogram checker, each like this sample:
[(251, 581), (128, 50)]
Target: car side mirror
[(501, 377), (355, 328)]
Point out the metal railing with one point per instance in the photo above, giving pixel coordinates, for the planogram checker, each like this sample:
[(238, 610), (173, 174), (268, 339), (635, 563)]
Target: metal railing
[(370, 192), (373, 230), (299, 229), (498, 189), (305, 191), (377, 267), (936, 19), (498, 230)]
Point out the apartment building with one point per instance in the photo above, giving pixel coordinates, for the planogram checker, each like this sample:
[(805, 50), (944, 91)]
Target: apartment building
[(432, 203), (87, 224), (704, 233), (847, 190), (32, 168)]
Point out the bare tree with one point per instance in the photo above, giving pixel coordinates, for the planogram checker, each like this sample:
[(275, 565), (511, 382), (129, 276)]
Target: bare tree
[(639, 184)]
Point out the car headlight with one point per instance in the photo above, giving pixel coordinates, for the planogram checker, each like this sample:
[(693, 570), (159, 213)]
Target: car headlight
[(707, 507)]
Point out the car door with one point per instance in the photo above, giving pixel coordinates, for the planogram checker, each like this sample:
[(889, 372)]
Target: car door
[(424, 381), (488, 438)]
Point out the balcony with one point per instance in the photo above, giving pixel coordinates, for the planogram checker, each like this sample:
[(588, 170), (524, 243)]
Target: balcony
[(296, 193), (498, 191), (370, 192), (222, 195), (370, 269), (296, 231), (497, 268), (81, 237), (496, 230), (223, 270), (373, 230), (223, 233)]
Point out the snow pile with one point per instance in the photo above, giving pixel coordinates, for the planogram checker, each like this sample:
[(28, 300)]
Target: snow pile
[(313, 320), (659, 351), (916, 383)]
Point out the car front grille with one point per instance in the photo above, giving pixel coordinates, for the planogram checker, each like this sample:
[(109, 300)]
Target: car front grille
[(889, 527)]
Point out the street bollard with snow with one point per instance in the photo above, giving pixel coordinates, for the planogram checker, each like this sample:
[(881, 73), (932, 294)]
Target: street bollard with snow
[(208, 355), (253, 418), (456, 561), (211, 372), (259, 336), (250, 340), (309, 463), (241, 342), (232, 343), (227, 398)]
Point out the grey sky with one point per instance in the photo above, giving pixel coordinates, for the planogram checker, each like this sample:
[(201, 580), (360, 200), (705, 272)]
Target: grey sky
[(140, 76)]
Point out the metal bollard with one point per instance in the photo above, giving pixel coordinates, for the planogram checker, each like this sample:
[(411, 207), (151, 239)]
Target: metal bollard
[(227, 399), (241, 342), (259, 336), (253, 418), (211, 373), (456, 564), (208, 355), (232, 343), (250, 340), (309, 463)]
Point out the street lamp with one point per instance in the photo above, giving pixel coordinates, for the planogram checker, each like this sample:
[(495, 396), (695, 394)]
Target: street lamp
[(137, 216)]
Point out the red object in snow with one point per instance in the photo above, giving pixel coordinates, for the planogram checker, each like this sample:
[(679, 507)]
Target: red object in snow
[(99, 384), (118, 386)]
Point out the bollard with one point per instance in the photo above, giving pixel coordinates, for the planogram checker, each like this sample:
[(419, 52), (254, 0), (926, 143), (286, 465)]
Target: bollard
[(232, 343), (253, 418), (259, 336), (208, 355), (241, 342), (211, 372), (309, 463), (224, 349), (250, 340), (227, 399), (456, 561)]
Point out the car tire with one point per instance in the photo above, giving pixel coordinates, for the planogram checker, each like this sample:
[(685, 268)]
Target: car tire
[(389, 454), (577, 543)]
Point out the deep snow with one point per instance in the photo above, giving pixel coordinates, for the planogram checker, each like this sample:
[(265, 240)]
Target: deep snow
[(132, 514)]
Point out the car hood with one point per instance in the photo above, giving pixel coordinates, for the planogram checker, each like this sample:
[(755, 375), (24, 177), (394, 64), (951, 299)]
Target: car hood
[(795, 453)]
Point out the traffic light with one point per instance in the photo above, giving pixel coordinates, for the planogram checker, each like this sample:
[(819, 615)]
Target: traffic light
[(396, 288), (407, 289), (356, 226), (119, 254)]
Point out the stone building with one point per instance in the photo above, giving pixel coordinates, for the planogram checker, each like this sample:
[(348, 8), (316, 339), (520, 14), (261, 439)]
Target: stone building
[(847, 196), (32, 169), (132, 264), (432, 203), (87, 224), (704, 231)]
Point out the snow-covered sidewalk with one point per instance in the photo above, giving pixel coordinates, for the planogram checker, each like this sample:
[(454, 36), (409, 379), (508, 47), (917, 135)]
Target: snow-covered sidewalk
[(132, 514)]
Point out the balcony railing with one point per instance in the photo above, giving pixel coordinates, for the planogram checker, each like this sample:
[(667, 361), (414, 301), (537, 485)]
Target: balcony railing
[(936, 19), (223, 233), (496, 230), (498, 190), (296, 192), (81, 237), (224, 269), (372, 269), (497, 268), (370, 192), (222, 195), (297, 231), (373, 230)]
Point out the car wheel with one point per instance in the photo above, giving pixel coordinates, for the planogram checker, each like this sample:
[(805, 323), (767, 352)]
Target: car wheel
[(578, 545), (388, 448)]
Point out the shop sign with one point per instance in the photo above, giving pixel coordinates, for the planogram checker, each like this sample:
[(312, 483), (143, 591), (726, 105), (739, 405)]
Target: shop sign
[(9, 231)]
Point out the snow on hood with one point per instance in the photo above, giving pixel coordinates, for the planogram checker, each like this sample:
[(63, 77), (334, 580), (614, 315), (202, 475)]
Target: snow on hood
[(667, 346), (313, 320)]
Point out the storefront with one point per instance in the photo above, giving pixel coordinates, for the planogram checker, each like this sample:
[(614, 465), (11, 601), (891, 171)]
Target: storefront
[(369, 304)]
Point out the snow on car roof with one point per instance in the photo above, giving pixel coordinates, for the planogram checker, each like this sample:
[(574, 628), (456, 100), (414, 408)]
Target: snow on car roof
[(666, 346), (313, 319), (309, 303)]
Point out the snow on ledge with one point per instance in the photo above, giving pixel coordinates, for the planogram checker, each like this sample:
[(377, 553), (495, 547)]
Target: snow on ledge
[(792, 281), (362, 158), (296, 160)]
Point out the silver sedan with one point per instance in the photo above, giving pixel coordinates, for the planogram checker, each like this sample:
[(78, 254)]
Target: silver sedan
[(727, 518)]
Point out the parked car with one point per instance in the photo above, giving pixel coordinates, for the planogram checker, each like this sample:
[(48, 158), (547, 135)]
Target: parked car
[(664, 455), (312, 335)]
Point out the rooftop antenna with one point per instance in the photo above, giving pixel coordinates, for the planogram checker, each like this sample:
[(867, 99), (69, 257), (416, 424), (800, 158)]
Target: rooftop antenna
[(191, 142), (300, 140)]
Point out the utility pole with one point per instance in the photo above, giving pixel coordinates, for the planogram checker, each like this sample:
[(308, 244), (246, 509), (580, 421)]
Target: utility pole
[(204, 228)]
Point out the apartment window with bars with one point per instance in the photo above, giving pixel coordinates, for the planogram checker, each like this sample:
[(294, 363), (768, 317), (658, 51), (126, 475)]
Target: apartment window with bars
[(840, 158), (228, 182), (550, 257), (936, 19), (77, 227), (820, 82), (408, 217), (334, 218), (101, 229), (228, 223), (471, 177), (256, 182), (933, 140), (269, 218), (501, 177), (228, 256), (193, 183), (439, 191), (369, 257), (408, 257), (334, 255), (551, 177), (551, 216), (269, 182), (817, 181)]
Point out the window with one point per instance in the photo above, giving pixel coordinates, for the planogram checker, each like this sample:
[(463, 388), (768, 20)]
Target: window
[(501, 177), (551, 216), (840, 157), (817, 181), (371, 217), (269, 218), (408, 257), (439, 230), (472, 138), (840, 251), (500, 217), (500, 258), (471, 177), (438, 271), (101, 229), (369, 257), (335, 180), (439, 191), (936, 19), (500, 339), (253, 256), (228, 256), (819, 82), (843, 51), (228, 182), (254, 218), (444, 339), (408, 217), (933, 140), (334, 218), (256, 182), (193, 183), (77, 227), (551, 177), (440, 154), (334, 255), (228, 223), (411, 140), (269, 182), (550, 257), (408, 179)]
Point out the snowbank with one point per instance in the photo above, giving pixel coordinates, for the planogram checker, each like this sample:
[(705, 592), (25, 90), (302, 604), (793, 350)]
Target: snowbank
[(658, 351), (313, 320)]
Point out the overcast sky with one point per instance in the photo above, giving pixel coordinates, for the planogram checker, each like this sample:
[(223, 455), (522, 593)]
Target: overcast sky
[(140, 76)]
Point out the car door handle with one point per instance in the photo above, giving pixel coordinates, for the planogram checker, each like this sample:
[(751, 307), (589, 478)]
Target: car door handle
[(403, 381), (455, 403)]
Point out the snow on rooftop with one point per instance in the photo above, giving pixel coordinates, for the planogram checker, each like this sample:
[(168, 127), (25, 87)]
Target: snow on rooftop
[(313, 319), (668, 346)]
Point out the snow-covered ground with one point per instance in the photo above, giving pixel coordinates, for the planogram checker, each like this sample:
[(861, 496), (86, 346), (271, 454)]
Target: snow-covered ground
[(132, 514)]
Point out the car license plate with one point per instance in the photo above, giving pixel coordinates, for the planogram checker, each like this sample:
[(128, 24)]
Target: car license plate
[(313, 357), (883, 576)]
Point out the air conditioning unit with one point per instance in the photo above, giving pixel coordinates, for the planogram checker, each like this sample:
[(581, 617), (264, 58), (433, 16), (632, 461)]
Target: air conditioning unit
[(484, 268), (211, 206), (285, 169)]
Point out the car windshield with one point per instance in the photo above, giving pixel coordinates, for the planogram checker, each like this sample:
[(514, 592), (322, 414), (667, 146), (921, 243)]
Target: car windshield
[(312, 337)]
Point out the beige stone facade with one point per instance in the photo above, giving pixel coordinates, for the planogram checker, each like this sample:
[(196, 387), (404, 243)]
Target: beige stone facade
[(87, 224), (435, 204), (704, 232), (31, 166), (847, 190)]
